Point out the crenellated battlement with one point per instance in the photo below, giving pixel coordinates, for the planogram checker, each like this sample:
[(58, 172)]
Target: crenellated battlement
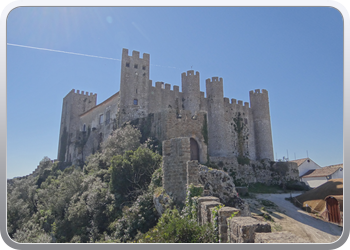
[(82, 93), (237, 104), (160, 85), (135, 55), (214, 79), (190, 73), (257, 91)]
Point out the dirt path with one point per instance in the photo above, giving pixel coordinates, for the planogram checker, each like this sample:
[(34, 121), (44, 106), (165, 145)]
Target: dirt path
[(288, 217)]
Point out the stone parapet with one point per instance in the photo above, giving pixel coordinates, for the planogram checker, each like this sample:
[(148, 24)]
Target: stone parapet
[(243, 229), (192, 173), (206, 215), (224, 214), (204, 199)]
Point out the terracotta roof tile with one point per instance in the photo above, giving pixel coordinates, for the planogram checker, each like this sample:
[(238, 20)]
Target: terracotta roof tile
[(321, 172), (299, 161), (337, 165)]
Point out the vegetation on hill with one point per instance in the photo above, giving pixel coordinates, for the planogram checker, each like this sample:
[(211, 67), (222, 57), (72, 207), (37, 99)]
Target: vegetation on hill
[(109, 199)]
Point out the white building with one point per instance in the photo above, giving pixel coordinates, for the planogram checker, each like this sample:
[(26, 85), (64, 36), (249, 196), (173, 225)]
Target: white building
[(317, 177), (305, 165)]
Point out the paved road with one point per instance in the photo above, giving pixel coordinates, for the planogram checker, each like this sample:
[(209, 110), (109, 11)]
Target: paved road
[(300, 222)]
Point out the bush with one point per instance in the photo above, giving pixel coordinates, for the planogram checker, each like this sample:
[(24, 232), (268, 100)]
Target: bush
[(122, 140), (131, 173), (172, 228), (140, 217)]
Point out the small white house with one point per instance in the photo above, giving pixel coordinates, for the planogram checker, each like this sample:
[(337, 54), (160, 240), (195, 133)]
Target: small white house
[(317, 177), (305, 165)]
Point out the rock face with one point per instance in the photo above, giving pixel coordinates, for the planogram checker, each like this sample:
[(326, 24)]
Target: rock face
[(162, 201), (219, 184), (264, 171)]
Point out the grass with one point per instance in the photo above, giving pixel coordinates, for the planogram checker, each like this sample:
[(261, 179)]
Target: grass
[(264, 189)]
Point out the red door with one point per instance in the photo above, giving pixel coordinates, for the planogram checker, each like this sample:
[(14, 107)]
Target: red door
[(333, 210)]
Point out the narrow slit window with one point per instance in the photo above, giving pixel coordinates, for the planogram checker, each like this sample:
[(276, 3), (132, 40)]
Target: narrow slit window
[(84, 127), (101, 119)]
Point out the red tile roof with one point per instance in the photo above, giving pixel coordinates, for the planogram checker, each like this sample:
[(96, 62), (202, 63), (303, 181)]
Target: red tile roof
[(300, 161), (321, 172)]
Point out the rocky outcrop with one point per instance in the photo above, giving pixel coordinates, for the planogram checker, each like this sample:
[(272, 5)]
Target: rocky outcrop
[(264, 171), (162, 201), (219, 184)]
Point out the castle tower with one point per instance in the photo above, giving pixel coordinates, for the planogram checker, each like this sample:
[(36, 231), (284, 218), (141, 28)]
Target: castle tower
[(259, 103), (191, 91), (216, 120), (74, 104), (134, 86)]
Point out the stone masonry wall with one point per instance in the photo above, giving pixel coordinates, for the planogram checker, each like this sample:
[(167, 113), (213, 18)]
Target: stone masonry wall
[(176, 153), (175, 114)]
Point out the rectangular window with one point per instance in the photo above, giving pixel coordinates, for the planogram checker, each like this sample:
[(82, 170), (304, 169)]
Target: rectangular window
[(101, 119), (135, 102), (127, 65), (135, 66)]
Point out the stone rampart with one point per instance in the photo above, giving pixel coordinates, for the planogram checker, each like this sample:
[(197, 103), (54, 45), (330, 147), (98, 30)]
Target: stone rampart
[(176, 154), (243, 229)]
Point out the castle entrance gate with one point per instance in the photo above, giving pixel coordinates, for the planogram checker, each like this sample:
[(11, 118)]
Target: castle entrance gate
[(194, 149)]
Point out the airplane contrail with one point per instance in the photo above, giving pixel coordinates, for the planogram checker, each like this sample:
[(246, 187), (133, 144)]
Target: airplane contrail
[(60, 51), (77, 54)]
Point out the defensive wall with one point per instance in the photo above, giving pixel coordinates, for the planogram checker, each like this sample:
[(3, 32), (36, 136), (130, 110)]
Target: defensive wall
[(232, 128), (232, 227), (234, 224)]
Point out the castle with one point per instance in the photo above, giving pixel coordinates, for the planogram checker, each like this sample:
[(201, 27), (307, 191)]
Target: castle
[(216, 126)]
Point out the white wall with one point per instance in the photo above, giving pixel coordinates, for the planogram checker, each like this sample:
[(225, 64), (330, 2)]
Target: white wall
[(314, 181), (338, 174), (306, 166)]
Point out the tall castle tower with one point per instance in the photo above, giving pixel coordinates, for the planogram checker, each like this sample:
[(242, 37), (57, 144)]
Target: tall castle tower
[(74, 104), (134, 86), (216, 119), (191, 91), (259, 103)]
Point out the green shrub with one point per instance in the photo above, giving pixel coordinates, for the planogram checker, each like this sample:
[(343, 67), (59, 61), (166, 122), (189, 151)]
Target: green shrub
[(140, 217), (172, 228)]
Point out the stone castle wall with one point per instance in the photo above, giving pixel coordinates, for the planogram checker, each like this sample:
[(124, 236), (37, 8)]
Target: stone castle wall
[(175, 114), (176, 153)]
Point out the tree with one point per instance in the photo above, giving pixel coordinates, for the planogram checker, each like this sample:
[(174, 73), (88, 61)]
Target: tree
[(132, 172), (121, 140)]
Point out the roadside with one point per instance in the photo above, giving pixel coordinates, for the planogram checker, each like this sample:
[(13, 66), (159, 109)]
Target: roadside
[(284, 216)]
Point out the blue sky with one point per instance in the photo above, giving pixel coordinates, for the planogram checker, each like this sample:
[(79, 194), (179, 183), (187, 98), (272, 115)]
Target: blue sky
[(296, 53)]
